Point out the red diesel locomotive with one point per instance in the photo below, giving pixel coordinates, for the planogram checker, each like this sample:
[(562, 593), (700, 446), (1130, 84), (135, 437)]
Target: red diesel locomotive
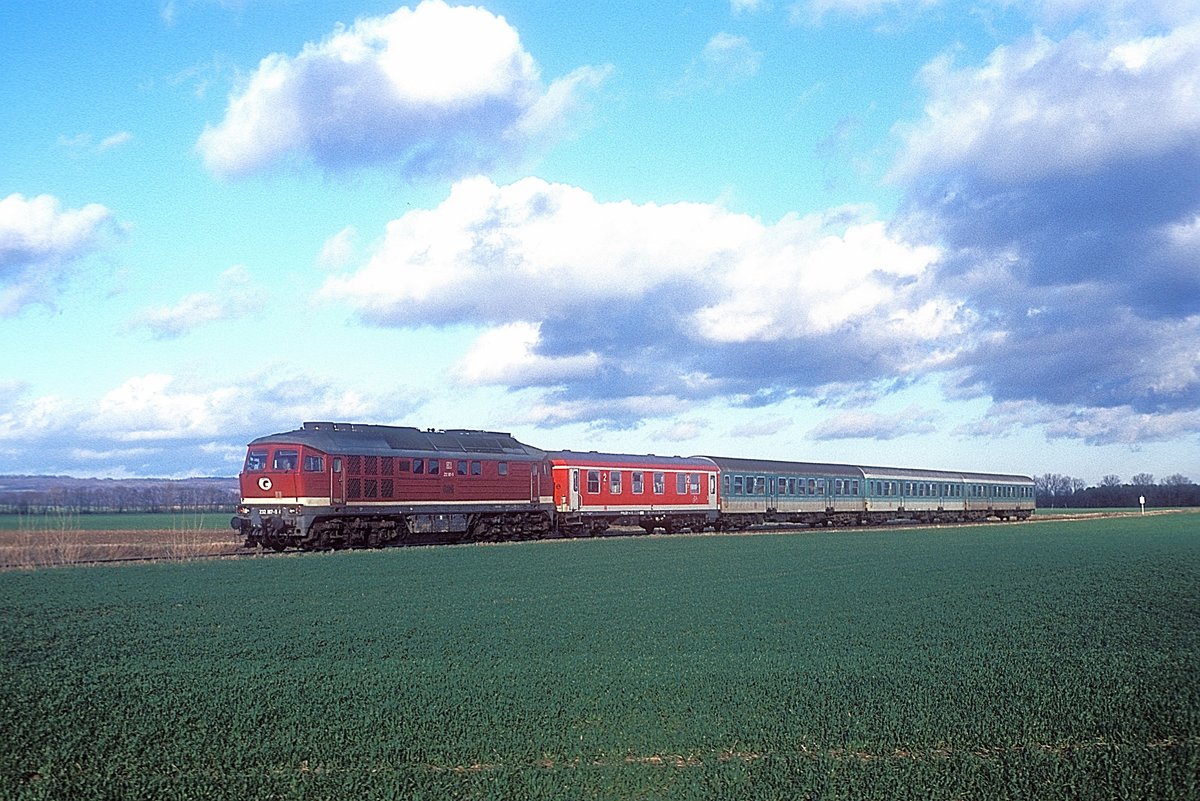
[(343, 485)]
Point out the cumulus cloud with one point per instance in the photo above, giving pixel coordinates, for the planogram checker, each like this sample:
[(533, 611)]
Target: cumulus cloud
[(745, 6), (865, 424), (726, 59), (1058, 176), (40, 243), (439, 90), (615, 300), (235, 297), (1115, 425), (150, 424), (1043, 108), (506, 355), (338, 250)]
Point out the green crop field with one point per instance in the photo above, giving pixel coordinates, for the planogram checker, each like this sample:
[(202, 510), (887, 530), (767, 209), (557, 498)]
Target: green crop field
[(1056, 660), (117, 521)]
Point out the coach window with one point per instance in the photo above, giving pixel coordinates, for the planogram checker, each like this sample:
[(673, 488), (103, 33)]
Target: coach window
[(725, 483), (738, 485), (660, 483), (285, 459), (314, 464), (637, 482), (593, 486), (694, 480), (614, 482), (681, 483)]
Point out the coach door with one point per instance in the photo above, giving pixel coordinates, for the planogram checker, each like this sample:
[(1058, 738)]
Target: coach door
[(337, 483), (573, 491)]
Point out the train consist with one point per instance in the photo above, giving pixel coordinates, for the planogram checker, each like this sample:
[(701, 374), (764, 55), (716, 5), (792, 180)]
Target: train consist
[(350, 485)]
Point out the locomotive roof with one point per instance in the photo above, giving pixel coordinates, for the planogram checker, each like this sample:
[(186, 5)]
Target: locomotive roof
[(361, 438)]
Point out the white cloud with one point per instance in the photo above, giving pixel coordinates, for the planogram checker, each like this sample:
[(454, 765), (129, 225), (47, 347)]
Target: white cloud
[(865, 424), (1043, 107), (730, 58), (767, 427), (235, 296), (39, 242), (725, 60), (505, 355), (338, 249), (531, 249), (1120, 425), (737, 7), (803, 277), (151, 424), (617, 298), (442, 90)]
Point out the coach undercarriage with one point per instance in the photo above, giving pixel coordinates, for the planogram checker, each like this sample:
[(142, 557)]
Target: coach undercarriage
[(363, 530)]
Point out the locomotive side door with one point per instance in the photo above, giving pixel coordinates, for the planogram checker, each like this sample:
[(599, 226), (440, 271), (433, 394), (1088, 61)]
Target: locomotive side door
[(337, 482)]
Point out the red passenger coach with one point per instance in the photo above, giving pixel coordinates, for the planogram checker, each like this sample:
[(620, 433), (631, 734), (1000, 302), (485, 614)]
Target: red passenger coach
[(593, 491)]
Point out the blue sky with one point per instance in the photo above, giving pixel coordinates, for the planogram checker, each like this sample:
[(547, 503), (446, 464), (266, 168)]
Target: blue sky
[(948, 234)]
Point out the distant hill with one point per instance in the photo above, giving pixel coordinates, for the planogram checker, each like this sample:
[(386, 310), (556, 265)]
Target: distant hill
[(25, 494)]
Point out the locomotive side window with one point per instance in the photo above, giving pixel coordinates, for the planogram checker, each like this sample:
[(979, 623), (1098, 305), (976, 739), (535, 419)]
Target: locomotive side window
[(285, 459), (256, 460), (314, 464), (476, 468), (593, 486), (502, 469), (418, 466), (462, 467)]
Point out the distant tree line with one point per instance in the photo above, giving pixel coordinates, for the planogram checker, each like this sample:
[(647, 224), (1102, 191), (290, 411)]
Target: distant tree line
[(1055, 490), (35, 495)]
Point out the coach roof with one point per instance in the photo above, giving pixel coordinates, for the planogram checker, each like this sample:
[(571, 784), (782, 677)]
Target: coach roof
[(738, 465), (352, 438)]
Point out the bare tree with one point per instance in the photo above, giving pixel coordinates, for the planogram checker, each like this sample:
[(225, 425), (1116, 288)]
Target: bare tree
[(1111, 480), (1142, 479)]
